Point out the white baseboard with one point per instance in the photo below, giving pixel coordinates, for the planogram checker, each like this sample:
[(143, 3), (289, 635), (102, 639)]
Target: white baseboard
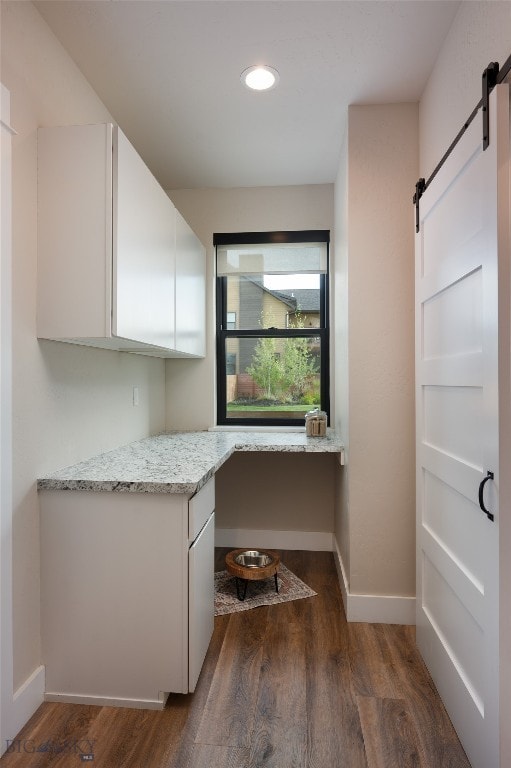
[(374, 609), (378, 609), (313, 541), (102, 701), (26, 700), (341, 575)]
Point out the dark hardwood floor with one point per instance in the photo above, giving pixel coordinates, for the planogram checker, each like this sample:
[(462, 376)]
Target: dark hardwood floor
[(287, 686)]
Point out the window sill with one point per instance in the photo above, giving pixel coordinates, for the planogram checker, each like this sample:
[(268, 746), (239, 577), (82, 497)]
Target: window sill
[(252, 428)]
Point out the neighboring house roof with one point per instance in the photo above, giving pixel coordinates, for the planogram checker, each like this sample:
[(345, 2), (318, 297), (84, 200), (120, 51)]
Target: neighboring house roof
[(306, 299), (297, 299), (284, 296)]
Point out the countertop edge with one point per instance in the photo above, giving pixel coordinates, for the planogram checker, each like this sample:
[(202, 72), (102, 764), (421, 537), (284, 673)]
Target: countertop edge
[(282, 448), (56, 483), (118, 486)]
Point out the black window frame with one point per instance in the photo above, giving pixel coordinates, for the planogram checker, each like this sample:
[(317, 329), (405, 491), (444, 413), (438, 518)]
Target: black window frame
[(222, 333)]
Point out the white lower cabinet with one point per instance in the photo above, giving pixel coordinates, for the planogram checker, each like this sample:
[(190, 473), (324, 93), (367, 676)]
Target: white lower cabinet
[(127, 601)]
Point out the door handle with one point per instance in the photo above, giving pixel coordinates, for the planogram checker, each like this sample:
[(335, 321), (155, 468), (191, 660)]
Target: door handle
[(489, 476)]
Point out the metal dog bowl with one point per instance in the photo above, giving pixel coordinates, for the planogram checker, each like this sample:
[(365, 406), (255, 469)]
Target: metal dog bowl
[(252, 565), (252, 558)]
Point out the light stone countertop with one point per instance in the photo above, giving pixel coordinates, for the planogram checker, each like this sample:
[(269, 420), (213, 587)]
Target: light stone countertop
[(177, 462)]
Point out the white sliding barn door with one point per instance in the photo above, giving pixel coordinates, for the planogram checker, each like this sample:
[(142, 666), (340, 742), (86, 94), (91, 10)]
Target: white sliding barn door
[(458, 256)]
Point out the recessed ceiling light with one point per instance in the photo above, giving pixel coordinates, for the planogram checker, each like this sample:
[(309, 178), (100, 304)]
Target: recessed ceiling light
[(260, 77)]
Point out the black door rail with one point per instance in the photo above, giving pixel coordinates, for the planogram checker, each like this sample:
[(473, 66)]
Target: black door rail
[(492, 76)]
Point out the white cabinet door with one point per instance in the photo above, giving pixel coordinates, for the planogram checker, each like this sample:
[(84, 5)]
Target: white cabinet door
[(190, 290), (74, 231), (460, 249), (201, 599), (113, 589), (143, 251), (107, 243)]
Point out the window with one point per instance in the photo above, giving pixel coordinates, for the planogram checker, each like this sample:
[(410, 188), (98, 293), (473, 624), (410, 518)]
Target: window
[(272, 326), (230, 363)]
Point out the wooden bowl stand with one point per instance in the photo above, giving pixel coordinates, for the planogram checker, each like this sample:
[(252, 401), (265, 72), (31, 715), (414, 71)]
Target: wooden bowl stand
[(246, 573)]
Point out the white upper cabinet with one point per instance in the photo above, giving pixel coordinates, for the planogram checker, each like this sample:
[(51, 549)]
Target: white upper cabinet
[(190, 290), (143, 252), (107, 255)]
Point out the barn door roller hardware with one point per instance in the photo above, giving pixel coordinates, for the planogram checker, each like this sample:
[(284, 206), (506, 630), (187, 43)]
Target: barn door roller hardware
[(419, 189), (492, 76)]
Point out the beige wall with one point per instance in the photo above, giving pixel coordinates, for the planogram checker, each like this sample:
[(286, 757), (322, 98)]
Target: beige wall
[(340, 306), (190, 396), (480, 33), (375, 369), (68, 402), (283, 492)]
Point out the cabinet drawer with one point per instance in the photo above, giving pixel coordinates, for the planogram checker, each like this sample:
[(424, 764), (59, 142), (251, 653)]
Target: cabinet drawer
[(200, 507)]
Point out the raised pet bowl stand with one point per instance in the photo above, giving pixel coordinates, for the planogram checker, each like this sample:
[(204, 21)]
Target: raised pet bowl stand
[(252, 565)]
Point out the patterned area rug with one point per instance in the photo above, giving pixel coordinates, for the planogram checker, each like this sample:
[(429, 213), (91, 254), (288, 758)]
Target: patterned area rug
[(258, 592)]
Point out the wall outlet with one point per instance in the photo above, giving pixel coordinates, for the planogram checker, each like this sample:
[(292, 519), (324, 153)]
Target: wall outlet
[(135, 396)]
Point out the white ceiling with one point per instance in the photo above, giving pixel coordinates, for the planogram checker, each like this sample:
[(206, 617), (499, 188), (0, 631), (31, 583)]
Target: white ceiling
[(169, 74)]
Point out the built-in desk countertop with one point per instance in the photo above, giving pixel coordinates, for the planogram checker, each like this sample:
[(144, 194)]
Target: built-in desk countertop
[(177, 462)]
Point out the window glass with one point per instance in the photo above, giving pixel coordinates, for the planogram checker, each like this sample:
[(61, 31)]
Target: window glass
[(272, 333), (294, 302), (276, 378)]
